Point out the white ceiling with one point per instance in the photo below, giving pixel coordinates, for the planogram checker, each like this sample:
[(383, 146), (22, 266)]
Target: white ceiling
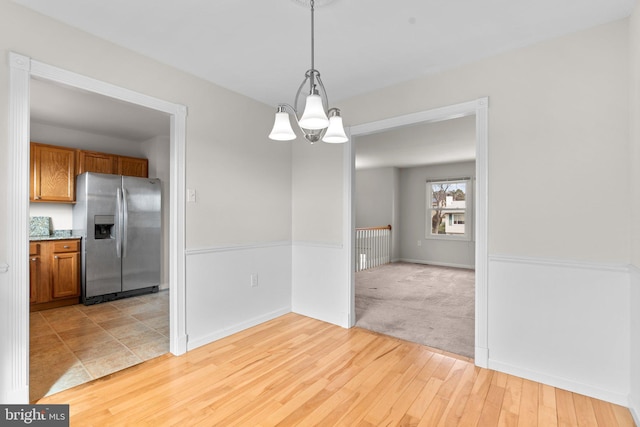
[(261, 48), (67, 107), (441, 142)]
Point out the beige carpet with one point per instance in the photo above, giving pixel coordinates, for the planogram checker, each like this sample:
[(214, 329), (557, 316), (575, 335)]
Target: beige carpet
[(429, 305)]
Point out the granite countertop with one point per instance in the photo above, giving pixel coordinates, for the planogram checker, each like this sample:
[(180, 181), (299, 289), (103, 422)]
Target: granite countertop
[(52, 237), (55, 235)]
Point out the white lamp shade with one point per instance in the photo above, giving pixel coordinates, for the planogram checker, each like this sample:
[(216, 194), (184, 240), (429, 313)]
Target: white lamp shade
[(282, 130), (314, 116), (335, 133)]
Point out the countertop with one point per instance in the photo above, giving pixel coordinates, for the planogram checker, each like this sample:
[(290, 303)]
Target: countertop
[(56, 235), (53, 237)]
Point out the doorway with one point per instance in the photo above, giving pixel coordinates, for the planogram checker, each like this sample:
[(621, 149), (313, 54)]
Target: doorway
[(479, 109), (424, 291), (22, 70), (90, 342)]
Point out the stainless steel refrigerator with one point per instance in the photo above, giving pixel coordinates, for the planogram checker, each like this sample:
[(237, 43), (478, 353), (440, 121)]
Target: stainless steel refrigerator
[(119, 220)]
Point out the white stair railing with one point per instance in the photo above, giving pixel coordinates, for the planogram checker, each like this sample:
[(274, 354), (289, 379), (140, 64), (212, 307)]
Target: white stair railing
[(373, 247)]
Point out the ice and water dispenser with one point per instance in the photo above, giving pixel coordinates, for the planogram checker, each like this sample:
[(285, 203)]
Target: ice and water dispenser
[(104, 227)]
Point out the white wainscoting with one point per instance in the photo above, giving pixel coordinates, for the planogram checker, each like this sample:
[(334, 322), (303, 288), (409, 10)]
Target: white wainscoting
[(219, 296), (562, 323), (634, 396), (320, 279)]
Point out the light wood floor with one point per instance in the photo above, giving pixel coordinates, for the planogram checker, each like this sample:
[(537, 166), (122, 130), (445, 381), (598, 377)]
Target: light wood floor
[(298, 371)]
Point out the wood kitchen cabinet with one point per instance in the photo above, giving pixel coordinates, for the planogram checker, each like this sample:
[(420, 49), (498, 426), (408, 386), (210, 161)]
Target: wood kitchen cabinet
[(52, 173), (54, 273), (65, 269), (133, 166), (35, 271), (91, 161), (54, 169)]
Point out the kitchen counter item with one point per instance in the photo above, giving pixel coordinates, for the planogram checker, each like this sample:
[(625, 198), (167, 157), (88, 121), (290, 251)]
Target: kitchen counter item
[(39, 226)]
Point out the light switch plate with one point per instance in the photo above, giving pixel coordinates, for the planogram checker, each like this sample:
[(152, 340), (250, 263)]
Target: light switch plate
[(191, 195)]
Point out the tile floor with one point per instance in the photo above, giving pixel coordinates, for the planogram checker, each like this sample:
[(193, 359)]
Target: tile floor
[(76, 344)]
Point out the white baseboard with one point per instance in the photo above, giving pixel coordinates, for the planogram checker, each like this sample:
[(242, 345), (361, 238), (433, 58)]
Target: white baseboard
[(566, 384), (230, 330), (439, 264)]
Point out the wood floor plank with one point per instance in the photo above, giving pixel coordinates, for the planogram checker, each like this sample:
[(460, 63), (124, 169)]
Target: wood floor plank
[(510, 410), (302, 372), (493, 403), (459, 396), (566, 409), (623, 416), (475, 403), (584, 411), (547, 409), (604, 413), (529, 404)]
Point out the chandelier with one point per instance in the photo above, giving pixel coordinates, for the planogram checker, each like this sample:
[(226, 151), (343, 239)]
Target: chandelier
[(318, 121)]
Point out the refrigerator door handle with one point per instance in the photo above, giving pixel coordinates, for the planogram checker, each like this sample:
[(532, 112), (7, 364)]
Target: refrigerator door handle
[(118, 223), (125, 222)]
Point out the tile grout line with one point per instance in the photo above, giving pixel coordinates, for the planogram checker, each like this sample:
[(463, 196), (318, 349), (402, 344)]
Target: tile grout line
[(67, 345)]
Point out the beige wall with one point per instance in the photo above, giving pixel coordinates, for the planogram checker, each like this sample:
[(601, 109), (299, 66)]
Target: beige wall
[(317, 192), (558, 135), (243, 182), (634, 38)]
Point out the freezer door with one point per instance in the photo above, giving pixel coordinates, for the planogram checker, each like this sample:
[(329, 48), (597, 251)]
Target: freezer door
[(102, 273), (141, 249)]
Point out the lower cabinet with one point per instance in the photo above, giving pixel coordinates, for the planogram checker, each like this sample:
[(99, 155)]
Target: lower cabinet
[(35, 271), (54, 273)]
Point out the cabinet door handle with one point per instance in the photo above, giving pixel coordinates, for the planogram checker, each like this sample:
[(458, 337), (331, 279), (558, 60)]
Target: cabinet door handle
[(66, 246), (34, 259), (55, 257)]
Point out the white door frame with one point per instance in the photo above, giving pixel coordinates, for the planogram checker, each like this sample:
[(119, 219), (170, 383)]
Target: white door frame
[(16, 306), (479, 108)]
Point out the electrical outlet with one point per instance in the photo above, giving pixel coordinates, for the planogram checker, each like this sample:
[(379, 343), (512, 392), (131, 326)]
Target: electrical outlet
[(419, 242), (254, 280)]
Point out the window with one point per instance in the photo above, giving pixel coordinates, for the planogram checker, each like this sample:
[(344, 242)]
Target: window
[(448, 209)]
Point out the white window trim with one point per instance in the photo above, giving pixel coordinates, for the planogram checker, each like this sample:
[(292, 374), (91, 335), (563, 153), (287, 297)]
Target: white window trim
[(468, 211)]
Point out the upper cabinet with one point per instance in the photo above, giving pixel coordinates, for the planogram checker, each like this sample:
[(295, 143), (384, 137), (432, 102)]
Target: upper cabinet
[(91, 161), (54, 170), (52, 174), (133, 166)]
